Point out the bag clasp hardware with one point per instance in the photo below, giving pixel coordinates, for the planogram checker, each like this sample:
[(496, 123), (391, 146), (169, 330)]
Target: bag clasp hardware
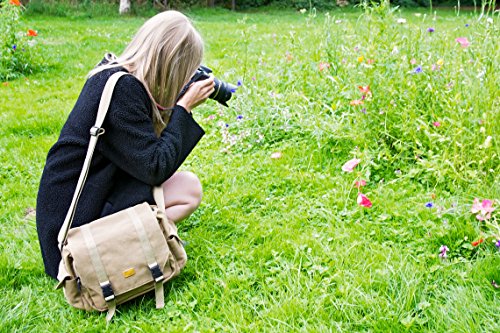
[(107, 291), (96, 131), (156, 272)]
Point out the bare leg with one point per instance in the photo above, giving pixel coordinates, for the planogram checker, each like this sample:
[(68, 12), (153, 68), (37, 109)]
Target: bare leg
[(182, 194)]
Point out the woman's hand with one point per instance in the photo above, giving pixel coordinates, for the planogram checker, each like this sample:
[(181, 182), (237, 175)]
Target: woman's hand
[(197, 93)]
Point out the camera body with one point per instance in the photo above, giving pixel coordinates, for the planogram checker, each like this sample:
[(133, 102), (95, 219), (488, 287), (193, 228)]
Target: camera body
[(223, 90)]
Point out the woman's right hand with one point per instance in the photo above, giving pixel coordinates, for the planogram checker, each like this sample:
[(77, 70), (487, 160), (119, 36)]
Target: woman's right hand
[(197, 93)]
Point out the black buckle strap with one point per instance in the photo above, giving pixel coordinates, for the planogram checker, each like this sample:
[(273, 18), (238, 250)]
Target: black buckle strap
[(156, 272), (107, 291)]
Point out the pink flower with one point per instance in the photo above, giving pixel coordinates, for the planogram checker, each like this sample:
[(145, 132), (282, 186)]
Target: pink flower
[(356, 102), (323, 65), (364, 201), (463, 42), (350, 165), (484, 209), (436, 124), (413, 61), (359, 184)]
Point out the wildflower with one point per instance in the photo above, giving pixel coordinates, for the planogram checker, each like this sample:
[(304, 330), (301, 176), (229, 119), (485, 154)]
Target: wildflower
[(401, 20), (363, 110), (360, 183), (485, 208), (15, 2), (417, 70), (31, 33), (288, 56), (429, 205), (323, 65), (467, 25), (365, 90), (232, 90), (440, 62), (430, 30), (413, 61), (497, 244), (303, 11), (211, 117), (476, 243), (370, 61), (489, 20), (239, 117), (443, 249), (361, 58), (276, 155), (397, 172), (487, 142), (463, 41), (239, 84), (436, 124), (363, 200), (338, 21), (350, 165), (14, 47), (356, 102)]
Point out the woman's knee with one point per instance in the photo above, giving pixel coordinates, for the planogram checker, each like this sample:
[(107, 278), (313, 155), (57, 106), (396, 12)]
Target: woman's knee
[(184, 187), (193, 186)]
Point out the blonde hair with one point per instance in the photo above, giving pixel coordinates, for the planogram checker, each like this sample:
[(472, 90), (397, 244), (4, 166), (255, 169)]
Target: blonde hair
[(163, 55)]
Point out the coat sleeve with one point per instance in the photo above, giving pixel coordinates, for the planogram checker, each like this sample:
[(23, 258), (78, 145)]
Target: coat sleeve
[(130, 142)]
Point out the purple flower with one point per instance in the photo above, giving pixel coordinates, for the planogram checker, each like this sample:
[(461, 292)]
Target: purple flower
[(227, 125), (14, 47), (418, 70), (430, 30), (239, 84), (443, 249), (429, 205), (239, 117), (497, 244), (363, 110), (233, 90), (466, 25)]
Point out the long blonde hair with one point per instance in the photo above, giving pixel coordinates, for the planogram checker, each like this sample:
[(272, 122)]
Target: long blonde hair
[(163, 55)]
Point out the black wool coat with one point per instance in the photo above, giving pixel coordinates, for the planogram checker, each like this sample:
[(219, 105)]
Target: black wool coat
[(128, 161)]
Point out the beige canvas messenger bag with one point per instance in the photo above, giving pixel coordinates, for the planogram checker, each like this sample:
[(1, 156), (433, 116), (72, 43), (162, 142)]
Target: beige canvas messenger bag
[(121, 256)]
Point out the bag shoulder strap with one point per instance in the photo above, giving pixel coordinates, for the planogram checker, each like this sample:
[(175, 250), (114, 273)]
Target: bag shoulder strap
[(95, 132)]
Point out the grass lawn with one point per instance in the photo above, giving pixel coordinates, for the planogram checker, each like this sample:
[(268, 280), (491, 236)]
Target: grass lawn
[(280, 243)]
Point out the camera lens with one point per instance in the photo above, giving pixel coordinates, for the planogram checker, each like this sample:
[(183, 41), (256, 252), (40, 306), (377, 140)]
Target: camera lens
[(223, 91)]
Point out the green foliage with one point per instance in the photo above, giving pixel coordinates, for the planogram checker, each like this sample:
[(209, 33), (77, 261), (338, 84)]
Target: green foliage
[(279, 243), (18, 50)]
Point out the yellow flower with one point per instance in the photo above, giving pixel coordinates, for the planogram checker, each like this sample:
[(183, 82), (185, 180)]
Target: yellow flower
[(440, 62), (360, 58)]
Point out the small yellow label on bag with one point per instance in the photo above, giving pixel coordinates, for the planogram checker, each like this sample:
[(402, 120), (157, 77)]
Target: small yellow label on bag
[(128, 273)]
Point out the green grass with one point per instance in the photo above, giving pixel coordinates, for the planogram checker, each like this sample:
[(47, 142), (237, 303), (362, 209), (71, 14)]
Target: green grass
[(281, 244)]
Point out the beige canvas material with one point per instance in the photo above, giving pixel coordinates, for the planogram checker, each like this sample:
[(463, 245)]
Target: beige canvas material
[(122, 255)]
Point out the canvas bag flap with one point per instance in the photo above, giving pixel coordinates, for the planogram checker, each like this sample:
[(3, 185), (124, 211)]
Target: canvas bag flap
[(121, 253)]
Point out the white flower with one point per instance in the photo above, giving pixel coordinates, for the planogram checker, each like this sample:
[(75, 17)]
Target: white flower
[(489, 20), (418, 14), (401, 20), (303, 10)]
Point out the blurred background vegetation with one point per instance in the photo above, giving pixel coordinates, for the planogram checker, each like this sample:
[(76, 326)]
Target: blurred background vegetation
[(145, 7)]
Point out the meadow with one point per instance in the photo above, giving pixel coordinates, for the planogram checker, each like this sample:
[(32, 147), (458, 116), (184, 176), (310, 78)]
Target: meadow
[(339, 185)]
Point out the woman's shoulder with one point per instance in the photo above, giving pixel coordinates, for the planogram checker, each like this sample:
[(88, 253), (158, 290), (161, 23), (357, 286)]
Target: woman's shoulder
[(127, 84)]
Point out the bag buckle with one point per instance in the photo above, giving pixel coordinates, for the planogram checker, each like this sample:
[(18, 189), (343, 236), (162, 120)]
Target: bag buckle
[(96, 131), (107, 291), (156, 272)]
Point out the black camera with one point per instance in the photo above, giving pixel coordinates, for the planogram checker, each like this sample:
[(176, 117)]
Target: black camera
[(223, 90)]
